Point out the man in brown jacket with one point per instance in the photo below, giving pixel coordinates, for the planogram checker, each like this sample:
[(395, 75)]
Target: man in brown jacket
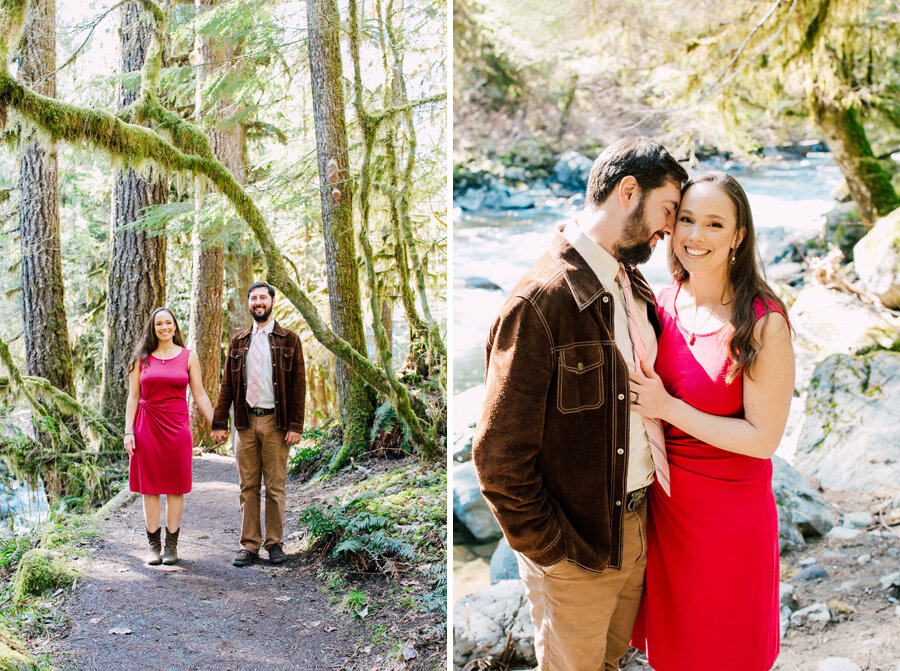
[(562, 461), (265, 380)]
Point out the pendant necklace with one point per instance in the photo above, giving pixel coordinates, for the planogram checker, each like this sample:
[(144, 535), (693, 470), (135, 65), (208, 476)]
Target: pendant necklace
[(694, 329)]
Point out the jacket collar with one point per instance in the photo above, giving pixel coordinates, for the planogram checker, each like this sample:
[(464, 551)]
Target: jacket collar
[(277, 329), (583, 282)]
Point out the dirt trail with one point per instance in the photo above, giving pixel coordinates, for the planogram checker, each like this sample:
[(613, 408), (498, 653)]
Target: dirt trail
[(202, 613)]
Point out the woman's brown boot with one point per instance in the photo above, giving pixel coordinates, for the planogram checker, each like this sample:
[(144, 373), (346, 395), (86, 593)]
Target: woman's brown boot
[(153, 557), (170, 556)]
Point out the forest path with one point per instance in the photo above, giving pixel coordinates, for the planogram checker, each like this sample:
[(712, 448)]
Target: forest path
[(202, 613)]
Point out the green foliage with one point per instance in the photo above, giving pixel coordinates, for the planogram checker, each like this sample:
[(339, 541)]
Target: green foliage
[(40, 570)]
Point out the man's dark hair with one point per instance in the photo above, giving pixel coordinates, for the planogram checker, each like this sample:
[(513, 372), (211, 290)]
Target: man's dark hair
[(257, 285), (642, 158)]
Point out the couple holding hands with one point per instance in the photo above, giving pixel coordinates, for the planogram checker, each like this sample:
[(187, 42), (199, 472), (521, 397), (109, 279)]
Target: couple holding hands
[(263, 380)]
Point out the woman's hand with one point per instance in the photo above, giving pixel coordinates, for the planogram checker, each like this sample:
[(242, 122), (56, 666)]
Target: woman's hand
[(648, 395), (129, 444)]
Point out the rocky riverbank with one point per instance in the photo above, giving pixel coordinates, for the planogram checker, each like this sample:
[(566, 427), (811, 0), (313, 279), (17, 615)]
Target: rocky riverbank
[(837, 473)]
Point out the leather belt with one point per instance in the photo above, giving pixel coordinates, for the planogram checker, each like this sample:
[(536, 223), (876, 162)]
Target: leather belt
[(634, 499), (260, 412)]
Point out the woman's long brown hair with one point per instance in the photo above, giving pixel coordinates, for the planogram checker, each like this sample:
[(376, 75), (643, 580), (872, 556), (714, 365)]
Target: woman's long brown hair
[(149, 342), (746, 276)]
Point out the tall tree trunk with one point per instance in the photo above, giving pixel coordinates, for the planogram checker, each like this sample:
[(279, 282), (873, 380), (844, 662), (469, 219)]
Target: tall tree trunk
[(868, 181), (46, 330), (325, 67), (208, 284), (137, 260)]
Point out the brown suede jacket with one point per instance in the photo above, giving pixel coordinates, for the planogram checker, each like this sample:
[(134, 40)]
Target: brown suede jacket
[(288, 378), (551, 448)]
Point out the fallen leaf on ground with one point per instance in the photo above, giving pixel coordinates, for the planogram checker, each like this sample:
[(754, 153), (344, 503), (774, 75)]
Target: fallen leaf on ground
[(408, 652), (120, 631), (282, 598), (123, 570), (364, 611)]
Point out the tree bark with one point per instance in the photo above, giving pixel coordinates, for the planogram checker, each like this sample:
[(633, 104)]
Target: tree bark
[(868, 181), (48, 354), (137, 260), (337, 213)]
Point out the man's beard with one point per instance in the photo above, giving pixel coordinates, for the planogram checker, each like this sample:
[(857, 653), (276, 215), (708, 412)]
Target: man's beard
[(260, 318), (633, 247)]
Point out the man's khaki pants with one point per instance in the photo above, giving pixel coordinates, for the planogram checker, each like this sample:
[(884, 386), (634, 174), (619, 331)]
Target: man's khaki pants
[(261, 457), (583, 620)]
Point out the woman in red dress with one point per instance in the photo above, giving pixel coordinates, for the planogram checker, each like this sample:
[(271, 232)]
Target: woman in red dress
[(157, 427), (722, 387)]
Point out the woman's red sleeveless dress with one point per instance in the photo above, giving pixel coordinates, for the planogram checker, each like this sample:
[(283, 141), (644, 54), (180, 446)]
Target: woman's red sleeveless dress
[(711, 593), (162, 433)]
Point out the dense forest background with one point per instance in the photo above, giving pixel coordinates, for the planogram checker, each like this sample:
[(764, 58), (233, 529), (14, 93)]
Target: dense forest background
[(171, 154), (532, 79)]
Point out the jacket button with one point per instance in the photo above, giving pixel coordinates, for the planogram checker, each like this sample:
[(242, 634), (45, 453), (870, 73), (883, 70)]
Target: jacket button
[(620, 451), (621, 396), (580, 366), (618, 503), (606, 299)]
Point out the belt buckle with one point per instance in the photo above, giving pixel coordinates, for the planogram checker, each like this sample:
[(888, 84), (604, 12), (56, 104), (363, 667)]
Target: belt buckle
[(635, 499)]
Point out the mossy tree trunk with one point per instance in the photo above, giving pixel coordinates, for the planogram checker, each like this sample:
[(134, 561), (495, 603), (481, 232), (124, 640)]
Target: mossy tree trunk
[(137, 259), (46, 330), (868, 180), (337, 215), (208, 282)]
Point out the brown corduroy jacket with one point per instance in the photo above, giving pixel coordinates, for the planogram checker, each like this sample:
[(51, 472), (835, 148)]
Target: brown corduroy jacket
[(288, 378), (551, 448)]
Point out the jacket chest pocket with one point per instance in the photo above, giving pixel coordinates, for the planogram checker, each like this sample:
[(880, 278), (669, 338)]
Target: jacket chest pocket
[(580, 378), (283, 357)]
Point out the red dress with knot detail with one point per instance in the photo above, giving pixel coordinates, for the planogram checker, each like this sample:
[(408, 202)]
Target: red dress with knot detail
[(162, 432), (711, 592)]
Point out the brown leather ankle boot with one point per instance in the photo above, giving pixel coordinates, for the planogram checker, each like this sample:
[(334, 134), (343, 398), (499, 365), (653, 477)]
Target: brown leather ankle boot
[(152, 556), (170, 556)]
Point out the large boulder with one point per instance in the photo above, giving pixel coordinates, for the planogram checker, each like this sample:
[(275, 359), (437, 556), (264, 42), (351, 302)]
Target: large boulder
[(877, 259), (849, 438), (469, 506), (802, 512), (572, 170), (837, 322), (482, 622), (504, 565), (466, 412)]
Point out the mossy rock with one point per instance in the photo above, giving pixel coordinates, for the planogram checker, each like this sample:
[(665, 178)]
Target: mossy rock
[(40, 570), (12, 657)]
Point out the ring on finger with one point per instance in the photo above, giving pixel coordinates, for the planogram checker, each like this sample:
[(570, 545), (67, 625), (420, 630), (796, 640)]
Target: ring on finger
[(636, 398)]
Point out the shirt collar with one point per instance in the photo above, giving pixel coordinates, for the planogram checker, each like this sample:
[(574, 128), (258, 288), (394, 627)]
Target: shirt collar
[(603, 263), (267, 329)]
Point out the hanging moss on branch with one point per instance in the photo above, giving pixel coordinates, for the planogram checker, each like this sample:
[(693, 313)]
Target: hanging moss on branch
[(139, 147)]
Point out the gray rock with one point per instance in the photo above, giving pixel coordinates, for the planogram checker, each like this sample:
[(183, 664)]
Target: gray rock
[(890, 582), (469, 506), (877, 259), (817, 613), (811, 573), (784, 620), (858, 520), (800, 505), (837, 664), (475, 283), (481, 622), (470, 199), (844, 533), (572, 170), (849, 438), (466, 412), (848, 586), (786, 596), (832, 322), (515, 200), (806, 561), (504, 565), (863, 559), (789, 536)]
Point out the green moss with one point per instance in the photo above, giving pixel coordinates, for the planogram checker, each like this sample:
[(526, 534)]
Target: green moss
[(39, 571), (12, 655)]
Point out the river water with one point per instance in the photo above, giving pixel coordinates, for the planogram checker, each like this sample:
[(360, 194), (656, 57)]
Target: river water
[(499, 246)]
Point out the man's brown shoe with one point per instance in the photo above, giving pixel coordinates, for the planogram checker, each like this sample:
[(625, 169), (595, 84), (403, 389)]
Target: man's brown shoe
[(277, 555), (244, 558)]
